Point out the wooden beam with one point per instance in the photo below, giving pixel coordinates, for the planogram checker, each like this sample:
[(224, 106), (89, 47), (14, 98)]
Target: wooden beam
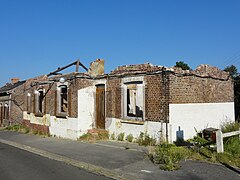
[(77, 63)]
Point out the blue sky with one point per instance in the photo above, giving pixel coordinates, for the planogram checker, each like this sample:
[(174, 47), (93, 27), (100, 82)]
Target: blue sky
[(37, 36)]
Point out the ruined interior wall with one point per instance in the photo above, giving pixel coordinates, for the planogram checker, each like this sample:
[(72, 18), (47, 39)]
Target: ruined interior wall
[(192, 89), (113, 97)]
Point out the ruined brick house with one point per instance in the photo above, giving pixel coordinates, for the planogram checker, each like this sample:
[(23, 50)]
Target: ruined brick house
[(10, 103), (163, 102)]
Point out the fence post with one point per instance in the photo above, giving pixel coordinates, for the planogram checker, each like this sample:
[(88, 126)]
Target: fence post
[(219, 141)]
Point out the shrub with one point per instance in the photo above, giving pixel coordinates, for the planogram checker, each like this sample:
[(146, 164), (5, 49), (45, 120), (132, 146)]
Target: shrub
[(168, 156), (103, 135), (113, 136), (129, 138), (121, 137), (230, 126), (27, 130), (145, 140)]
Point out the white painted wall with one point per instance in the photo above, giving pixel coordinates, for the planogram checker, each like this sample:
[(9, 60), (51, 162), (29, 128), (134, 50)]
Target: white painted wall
[(86, 109), (199, 116), (44, 120), (64, 127), (154, 129), (73, 128)]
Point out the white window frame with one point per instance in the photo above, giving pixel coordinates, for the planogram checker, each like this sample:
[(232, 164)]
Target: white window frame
[(29, 103), (36, 96), (140, 88), (6, 113), (59, 99)]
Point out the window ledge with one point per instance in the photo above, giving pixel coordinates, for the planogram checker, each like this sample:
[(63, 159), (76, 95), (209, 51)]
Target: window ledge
[(39, 114), (61, 115), (132, 121)]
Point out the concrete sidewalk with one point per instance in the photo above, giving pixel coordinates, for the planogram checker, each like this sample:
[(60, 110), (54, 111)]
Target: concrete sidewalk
[(112, 159)]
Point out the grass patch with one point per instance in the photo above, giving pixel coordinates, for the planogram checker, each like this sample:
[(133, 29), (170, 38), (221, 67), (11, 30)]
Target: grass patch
[(94, 136), (26, 130), (168, 155)]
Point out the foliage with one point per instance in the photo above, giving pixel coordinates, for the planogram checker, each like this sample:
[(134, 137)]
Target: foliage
[(236, 78), (113, 136), (232, 70), (103, 135), (120, 136), (182, 65), (230, 126), (129, 138), (168, 156), (145, 140)]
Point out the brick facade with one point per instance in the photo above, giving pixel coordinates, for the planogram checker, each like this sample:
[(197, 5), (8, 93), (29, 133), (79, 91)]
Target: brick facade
[(113, 98), (156, 97)]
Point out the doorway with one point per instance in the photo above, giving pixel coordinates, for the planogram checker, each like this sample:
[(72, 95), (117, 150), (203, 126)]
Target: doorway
[(100, 106)]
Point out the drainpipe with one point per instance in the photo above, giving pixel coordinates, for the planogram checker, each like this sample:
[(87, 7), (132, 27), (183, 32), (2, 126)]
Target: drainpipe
[(165, 98)]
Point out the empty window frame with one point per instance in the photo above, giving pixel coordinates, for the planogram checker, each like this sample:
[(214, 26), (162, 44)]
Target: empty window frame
[(39, 96), (6, 112), (62, 100), (28, 103), (134, 100)]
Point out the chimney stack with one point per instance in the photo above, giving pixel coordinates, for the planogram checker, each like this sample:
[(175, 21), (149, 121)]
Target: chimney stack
[(14, 80)]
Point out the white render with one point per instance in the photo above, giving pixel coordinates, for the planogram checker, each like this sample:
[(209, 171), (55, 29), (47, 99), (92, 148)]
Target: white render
[(86, 109), (198, 116), (154, 129), (73, 128), (64, 127)]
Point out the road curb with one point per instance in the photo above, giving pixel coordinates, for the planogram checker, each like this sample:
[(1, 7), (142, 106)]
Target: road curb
[(83, 165)]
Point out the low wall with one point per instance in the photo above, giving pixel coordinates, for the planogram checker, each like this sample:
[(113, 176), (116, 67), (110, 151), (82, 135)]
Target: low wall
[(156, 130)]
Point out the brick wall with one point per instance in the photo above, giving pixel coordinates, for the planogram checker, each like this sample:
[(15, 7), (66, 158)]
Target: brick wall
[(113, 98), (192, 89), (17, 104), (156, 98), (50, 105)]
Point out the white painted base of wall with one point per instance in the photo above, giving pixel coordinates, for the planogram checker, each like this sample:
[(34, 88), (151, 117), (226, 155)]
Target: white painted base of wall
[(64, 128), (44, 120), (198, 116), (156, 130)]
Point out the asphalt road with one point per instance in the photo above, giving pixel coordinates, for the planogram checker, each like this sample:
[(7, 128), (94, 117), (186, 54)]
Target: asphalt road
[(19, 164)]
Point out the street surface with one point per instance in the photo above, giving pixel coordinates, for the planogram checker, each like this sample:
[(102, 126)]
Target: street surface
[(18, 164)]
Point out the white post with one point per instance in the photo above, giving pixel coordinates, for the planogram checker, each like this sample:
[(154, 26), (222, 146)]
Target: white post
[(219, 141)]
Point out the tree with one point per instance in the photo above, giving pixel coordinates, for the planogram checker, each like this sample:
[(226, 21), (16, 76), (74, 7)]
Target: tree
[(236, 79), (182, 65), (232, 70)]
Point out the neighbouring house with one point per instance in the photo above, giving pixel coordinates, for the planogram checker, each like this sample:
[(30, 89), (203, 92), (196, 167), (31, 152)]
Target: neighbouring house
[(11, 103), (166, 103)]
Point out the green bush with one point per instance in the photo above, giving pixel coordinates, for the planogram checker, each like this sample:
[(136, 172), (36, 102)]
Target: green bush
[(230, 126), (129, 138), (113, 136), (121, 137), (145, 140), (168, 156)]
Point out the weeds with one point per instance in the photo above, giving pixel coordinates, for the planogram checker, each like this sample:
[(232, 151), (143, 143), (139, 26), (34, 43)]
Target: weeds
[(129, 138), (145, 140), (121, 136)]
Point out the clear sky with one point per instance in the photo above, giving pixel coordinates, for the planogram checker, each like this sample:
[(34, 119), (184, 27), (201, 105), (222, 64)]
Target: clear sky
[(37, 36)]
